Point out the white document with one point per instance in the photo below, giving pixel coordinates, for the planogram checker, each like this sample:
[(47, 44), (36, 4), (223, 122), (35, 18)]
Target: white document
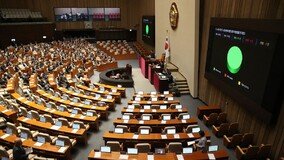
[(72, 115), (74, 130), (211, 156), (55, 127), (176, 136), (163, 122), (62, 149), (4, 136), (149, 102), (190, 143), (129, 110), (38, 144), (164, 136), (154, 110), (72, 103), (180, 110), (142, 110), (6, 110), (135, 136), (125, 121), (150, 157), (190, 135), (97, 155), (183, 121), (165, 101), (123, 156), (25, 119), (180, 157), (94, 107), (141, 122), (82, 117)]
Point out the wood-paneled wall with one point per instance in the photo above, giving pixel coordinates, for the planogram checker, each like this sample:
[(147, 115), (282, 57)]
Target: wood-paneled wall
[(261, 9)]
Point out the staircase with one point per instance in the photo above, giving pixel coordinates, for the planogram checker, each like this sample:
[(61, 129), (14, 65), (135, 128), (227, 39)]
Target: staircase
[(181, 83)]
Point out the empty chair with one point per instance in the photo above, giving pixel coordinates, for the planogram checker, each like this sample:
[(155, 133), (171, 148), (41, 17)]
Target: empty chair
[(233, 129), (247, 140), (23, 111), (143, 147), (67, 141), (125, 128), (211, 119), (222, 130), (64, 121), (188, 129), (35, 115), (141, 128), (222, 118), (232, 142), (174, 147), (247, 153), (165, 130), (146, 116), (114, 146), (48, 118), (264, 151), (11, 129)]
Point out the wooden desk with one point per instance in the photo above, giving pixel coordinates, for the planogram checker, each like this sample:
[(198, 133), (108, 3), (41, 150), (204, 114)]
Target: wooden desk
[(102, 110), (161, 84), (206, 110), (154, 111), (110, 102), (155, 124), (154, 102), (116, 95), (92, 121), (46, 149), (109, 87), (219, 155), (9, 114), (46, 127), (148, 95)]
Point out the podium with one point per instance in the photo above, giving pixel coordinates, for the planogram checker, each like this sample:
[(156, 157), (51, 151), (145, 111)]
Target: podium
[(152, 68), (161, 82)]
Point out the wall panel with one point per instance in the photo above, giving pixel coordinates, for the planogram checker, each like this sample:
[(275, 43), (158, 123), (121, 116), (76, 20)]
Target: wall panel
[(261, 9)]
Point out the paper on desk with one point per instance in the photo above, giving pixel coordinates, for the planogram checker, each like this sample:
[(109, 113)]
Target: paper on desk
[(149, 102), (163, 136), (46, 109), (25, 119), (97, 155), (190, 143), (6, 110), (141, 110), (123, 156), (82, 117), (4, 136), (125, 121), (176, 135), (211, 156), (38, 144), (154, 110), (179, 110), (150, 157), (165, 101), (190, 135), (129, 110), (141, 122), (94, 107), (72, 103), (180, 157), (74, 130), (135, 136), (55, 127), (163, 122), (62, 149), (72, 115), (183, 121)]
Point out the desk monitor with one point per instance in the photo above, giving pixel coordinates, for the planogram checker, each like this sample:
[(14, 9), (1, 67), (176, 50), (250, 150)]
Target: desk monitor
[(187, 150), (24, 135), (195, 130), (153, 93), (140, 92), (98, 95), (64, 97), (59, 143), (146, 118), (60, 108), (58, 123), (137, 99), (29, 115), (171, 131), (75, 100), (77, 90), (213, 148), (178, 106), (132, 151), (160, 151), (113, 90), (163, 106), (170, 98), (40, 139), (130, 106), (166, 117), (105, 149), (87, 102), (154, 99), (9, 130), (76, 126), (166, 92), (147, 107), (144, 131), (42, 119), (102, 89), (48, 105), (118, 130), (90, 114), (109, 97), (187, 116), (74, 111), (125, 117)]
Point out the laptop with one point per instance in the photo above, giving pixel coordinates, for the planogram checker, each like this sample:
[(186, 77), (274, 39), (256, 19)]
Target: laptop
[(40, 139), (75, 126), (163, 106), (118, 130), (132, 151), (167, 117), (125, 117), (187, 150), (144, 131), (24, 135), (171, 131), (186, 116), (145, 118), (59, 143), (213, 148), (105, 149), (195, 130)]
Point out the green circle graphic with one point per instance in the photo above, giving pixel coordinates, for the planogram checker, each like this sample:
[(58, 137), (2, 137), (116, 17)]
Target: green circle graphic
[(147, 29), (234, 59)]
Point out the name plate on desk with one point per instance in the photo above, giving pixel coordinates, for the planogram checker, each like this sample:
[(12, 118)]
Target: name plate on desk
[(38, 144), (4, 136), (125, 121), (129, 110), (141, 122), (55, 127), (176, 136), (190, 135), (163, 136), (6, 110), (150, 157), (72, 115), (165, 101), (123, 156), (142, 110), (211, 156), (135, 136), (97, 155), (62, 149), (74, 130), (183, 121), (180, 157), (154, 110), (163, 122)]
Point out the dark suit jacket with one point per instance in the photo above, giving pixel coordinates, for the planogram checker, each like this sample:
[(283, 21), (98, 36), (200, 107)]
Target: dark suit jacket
[(19, 153)]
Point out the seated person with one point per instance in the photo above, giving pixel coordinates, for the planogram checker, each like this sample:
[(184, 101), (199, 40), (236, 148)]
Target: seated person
[(200, 143), (19, 152)]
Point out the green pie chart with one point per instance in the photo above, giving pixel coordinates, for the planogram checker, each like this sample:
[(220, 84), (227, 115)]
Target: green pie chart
[(147, 29), (234, 59)]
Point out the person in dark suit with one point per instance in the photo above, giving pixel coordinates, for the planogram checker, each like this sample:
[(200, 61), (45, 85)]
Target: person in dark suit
[(19, 152)]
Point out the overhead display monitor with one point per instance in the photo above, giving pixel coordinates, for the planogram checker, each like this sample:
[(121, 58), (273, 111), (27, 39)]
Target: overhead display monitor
[(243, 61), (80, 14), (97, 14), (63, 14), (148, 30)]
